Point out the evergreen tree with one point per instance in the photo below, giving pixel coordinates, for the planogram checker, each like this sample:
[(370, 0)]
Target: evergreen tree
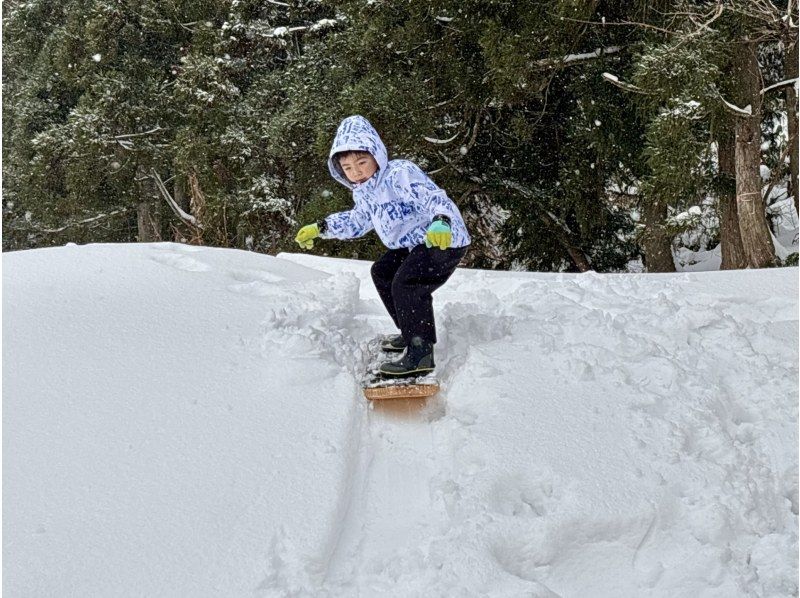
[(695, 91), (461, 89), (122, 90), (232, 105)]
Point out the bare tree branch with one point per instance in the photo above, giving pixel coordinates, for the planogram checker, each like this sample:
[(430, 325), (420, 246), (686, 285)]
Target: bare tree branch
[(614, 80), (575, 58), (473, 139), (442, 141), (129, 135), (779, 85), (734, 109), (621, 23), (92, 220), (186, 218)]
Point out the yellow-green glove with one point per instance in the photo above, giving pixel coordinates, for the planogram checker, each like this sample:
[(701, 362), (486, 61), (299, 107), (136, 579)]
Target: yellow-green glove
[(306, 235), (438, 235)]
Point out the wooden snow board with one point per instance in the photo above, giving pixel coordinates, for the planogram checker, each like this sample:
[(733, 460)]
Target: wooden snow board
[(401, 391), (377, 387)]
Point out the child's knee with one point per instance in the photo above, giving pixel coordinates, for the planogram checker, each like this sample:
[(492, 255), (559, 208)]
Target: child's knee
[(376, 272), (399, 285)]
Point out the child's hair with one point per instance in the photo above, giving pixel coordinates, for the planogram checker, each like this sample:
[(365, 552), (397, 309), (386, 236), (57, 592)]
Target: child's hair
[(346, 154)]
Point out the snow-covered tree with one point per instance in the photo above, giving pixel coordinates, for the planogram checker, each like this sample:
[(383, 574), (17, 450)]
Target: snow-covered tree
[(211, 121), (703, 79)]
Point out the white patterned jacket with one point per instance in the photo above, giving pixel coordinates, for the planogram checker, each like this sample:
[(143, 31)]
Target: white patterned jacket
[(399, 201)]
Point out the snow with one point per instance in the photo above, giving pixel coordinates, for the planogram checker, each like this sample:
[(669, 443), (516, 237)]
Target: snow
[(703, 260), (746, 111), (589, 55), (187, 421), (442, 141), (324, 24)]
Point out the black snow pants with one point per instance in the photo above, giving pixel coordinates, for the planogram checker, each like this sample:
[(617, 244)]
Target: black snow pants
[(405, 280)]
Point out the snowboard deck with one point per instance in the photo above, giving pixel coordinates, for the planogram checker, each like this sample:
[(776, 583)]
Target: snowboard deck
[(377, 387)]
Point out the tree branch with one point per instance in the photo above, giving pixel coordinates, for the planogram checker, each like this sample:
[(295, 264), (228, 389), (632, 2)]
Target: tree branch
[(442, 141), (473, 139), (129, 135), (779, 85), (734, 109), (775, 174), (623, 23), (573, 58), (186, 218), (614, 80), (91, 220)]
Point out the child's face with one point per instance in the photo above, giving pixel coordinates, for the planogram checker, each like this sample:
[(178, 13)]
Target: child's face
[(358, 168)]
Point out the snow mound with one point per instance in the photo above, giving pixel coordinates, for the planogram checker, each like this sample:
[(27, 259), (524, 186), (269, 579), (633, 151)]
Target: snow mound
[(187, 421)]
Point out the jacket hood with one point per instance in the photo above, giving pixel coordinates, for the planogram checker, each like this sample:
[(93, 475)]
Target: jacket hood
[(356, 133)]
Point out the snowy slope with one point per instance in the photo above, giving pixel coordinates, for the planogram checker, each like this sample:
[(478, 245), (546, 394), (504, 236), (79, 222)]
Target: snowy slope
[(186, 421)]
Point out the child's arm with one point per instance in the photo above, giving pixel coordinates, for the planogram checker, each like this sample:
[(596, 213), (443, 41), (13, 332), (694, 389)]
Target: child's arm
[(347, 225), (411, 182)]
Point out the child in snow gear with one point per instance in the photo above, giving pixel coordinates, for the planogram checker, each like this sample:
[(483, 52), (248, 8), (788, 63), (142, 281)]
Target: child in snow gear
[(415, 219)]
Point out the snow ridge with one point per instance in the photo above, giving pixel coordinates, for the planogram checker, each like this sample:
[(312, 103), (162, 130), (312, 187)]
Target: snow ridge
[(188, 421)]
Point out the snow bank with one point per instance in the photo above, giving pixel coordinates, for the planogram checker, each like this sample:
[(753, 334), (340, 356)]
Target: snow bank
[(186, 421)]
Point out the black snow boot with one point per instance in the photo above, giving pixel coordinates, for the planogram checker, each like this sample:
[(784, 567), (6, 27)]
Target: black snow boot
[(417, 361), (393, 344)]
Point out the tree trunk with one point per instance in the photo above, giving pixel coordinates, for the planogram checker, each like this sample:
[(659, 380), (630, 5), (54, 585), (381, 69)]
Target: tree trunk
[(179, 195), (148, 220), (756, 239), (576, 254), (656, 242), (730, 237), (578, 257), (148, 232), (791, 115)]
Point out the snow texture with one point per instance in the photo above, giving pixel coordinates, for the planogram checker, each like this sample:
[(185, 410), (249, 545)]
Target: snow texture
[(183, 421)]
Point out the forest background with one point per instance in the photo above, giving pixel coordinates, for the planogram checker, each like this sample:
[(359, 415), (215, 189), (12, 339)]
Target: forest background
[(574, 136)]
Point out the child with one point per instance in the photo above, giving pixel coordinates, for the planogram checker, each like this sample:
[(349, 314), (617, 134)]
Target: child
[(414, 218)]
